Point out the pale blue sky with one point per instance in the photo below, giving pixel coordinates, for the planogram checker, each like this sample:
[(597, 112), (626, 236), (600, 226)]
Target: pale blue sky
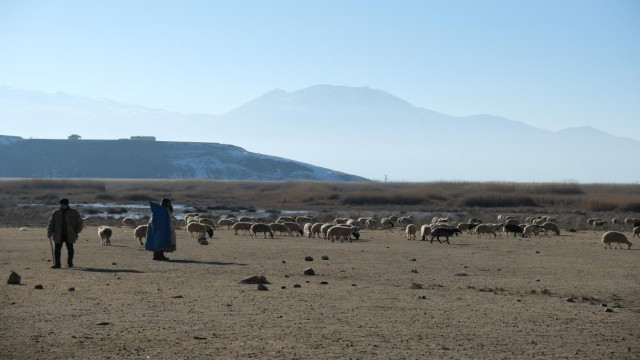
[(552, 64)]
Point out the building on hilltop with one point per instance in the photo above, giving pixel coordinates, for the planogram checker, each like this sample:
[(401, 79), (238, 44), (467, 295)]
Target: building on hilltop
[(143, 138), (74, 137)]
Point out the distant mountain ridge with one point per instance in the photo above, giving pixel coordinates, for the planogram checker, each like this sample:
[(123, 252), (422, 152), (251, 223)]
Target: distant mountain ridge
[(353, 130), (149, 160)]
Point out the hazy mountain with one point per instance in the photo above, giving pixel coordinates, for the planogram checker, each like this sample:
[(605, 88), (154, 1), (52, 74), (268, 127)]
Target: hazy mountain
[(149, 159), (351, 129)]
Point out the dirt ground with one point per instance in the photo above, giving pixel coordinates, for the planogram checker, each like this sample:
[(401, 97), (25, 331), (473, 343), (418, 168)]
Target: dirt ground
[(379, 297)]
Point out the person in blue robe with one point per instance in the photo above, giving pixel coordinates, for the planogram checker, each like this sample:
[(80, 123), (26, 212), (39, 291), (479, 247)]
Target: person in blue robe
[(161, 233)]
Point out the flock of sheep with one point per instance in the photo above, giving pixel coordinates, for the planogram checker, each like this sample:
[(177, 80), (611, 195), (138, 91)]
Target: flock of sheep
[(348, 229)]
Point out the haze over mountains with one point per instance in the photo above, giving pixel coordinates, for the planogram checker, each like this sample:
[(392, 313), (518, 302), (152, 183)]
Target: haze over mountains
[(356, 130)]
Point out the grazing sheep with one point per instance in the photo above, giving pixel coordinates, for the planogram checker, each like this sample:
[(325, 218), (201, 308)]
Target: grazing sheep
[(371, 224), (475, 221), (405, 221), (617, 238), (511, 228), (105, 235), (294, 227), (599, 223), (485, 229), (307, 230), (593, 220), (551, 226), (442, 231), (425, 230), (325, 228), (636, 231), (411, 231), (315, 229), (539, 221), (512, 222), (530, 230), (198, 228), (226, 222), (261, 228), (280, 228), (244, 226), (393, 218), (140, 233), (386, 223), (615, 221), (340, 221), (301, 220), (208, 221), (343, 233), (353, 222), (467, 227), (129, 222), (630, 221)]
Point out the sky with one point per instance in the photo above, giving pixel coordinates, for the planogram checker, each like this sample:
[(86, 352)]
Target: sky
[(551, 64)]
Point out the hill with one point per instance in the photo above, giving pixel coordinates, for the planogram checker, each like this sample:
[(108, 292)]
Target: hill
[(149, 159)]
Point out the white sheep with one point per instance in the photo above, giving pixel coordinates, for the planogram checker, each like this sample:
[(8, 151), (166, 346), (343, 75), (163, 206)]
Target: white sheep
[(405, 220), (530, 230), (244, 226), (551, 226), (307, 230), (315, 229), (208, 221), (263, 228), (599, 223), (226, 222), (140, 233), (617, 238), (371, 224), (342, 233), (512, 221), (425, 230), (129, 222), (325, 228), (281, 228), (294, 227), (105, 235), (485, 229), (411, 231), (386, 223), (199, 229)]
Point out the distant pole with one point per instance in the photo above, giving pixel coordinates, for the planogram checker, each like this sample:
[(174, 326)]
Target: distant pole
[(385, 177)]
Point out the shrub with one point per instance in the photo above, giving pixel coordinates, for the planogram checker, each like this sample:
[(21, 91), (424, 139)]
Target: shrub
[(497, 200)]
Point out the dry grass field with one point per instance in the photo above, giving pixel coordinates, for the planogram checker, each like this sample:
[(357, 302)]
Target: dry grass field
[(383, 297)]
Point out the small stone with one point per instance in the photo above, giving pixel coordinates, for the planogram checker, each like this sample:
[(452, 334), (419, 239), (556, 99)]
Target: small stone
[(308, 258), (415, 271), (462, 274), (39, 287), (354, 285), (608, 310), (616, 305), (261, 287), (537, 252), (570, 300), (325, 257), (177, 297), (296, 286), (200, 338), (114, 263), (14, 278), (103, 323), (603, 304), (284, 262), (309, 271), (414, 259), (324, 283), (283, 287), (71, 289), (255, 280)]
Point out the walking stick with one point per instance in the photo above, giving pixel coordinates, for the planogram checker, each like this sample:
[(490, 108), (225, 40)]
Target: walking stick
[(53, 257)]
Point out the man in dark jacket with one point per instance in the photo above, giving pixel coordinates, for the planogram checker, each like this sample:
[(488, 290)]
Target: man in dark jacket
[(64, 226)]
